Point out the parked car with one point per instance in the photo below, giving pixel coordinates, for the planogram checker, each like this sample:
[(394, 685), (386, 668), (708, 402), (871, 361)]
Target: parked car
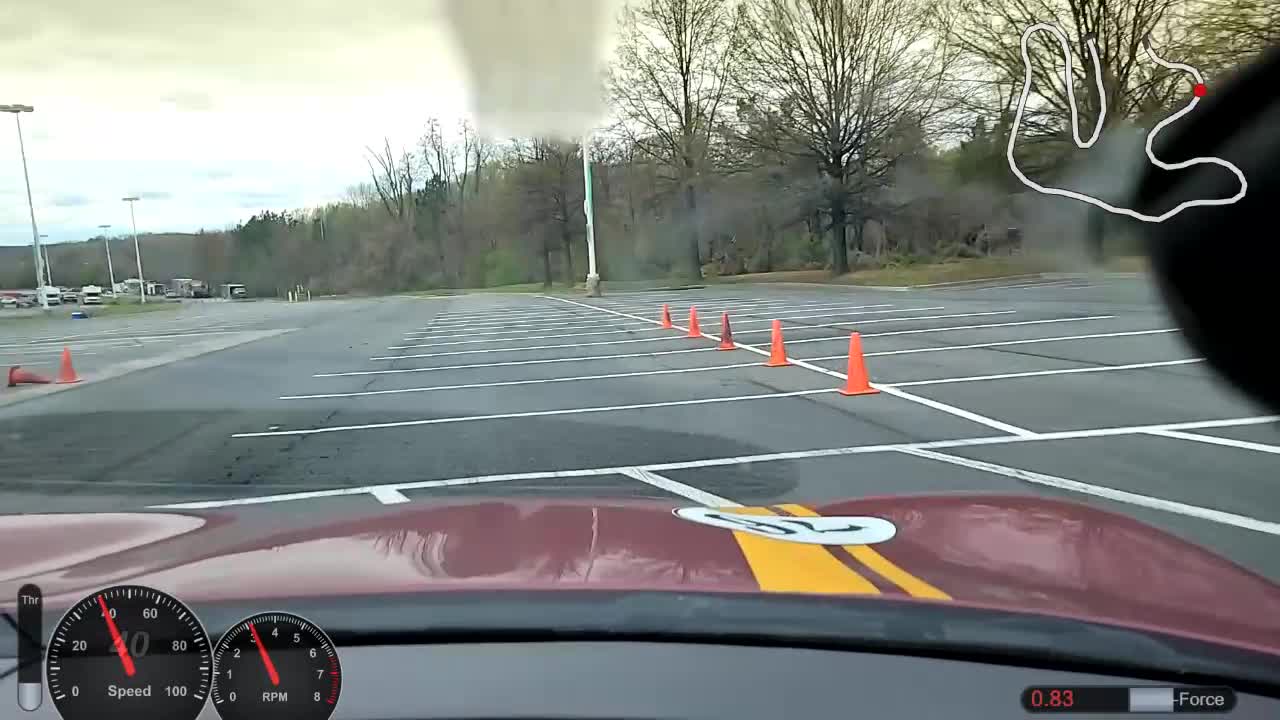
[(8, 302), (170, 295), (70, 295)]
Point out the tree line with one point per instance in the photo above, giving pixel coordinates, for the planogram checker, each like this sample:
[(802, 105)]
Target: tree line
[(761, 135)]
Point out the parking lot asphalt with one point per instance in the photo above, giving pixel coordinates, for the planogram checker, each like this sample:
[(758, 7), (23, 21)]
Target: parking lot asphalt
[(1073, 388)]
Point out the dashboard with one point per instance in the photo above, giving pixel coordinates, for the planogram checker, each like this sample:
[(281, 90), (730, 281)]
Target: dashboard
[(278, 664)]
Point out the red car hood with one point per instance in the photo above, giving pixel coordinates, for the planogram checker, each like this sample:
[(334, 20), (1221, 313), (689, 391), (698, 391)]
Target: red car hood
[(1014, 553)]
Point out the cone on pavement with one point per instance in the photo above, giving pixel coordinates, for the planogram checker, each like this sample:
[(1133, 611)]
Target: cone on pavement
[(18, 376), (666, 317), (858, 382), (67, 373), (694, 330), (726, 334), (777, 353)]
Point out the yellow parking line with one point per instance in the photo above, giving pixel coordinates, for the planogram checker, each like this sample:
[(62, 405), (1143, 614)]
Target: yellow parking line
[(878, 563), (781, 566)]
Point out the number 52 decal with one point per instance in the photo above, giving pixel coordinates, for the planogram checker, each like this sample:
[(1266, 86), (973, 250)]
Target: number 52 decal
[(828, 530)]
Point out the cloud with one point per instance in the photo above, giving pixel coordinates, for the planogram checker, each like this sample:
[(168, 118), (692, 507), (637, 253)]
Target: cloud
[(68, 200), (189, 100), (258, 199), (154, 195)]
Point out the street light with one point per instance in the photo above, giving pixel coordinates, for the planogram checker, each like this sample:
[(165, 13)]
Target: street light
[(48, 266), (110, 270), (142, 284), (17, 111), (588, 209)]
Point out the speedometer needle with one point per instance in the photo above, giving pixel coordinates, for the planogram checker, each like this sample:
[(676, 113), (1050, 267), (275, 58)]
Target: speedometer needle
[(266, 659), (116, 640)]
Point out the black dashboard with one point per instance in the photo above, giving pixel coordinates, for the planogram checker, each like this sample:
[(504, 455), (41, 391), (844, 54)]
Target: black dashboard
[(565, 655)]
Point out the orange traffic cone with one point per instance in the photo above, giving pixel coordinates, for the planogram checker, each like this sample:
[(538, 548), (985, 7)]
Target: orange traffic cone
[(858, 383), (666, 317), (66, 373), (18, 376), (726, 334), (694, 330), (777, 353)]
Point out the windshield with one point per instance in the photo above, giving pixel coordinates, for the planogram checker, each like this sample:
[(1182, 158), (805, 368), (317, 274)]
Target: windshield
[(839, 298)]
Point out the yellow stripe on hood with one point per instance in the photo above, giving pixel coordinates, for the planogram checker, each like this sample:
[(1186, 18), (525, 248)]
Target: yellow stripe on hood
[(781, 566), (881, 565)]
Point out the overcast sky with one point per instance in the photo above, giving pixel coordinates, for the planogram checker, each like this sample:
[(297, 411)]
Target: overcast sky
[(211, 111)]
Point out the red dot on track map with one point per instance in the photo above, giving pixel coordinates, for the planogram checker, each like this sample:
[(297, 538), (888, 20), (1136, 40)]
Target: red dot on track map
[(1200, 90)]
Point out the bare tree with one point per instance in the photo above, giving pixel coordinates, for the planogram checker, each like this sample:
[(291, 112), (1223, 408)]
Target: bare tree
[(671, 80), (848, 79), (1231, 32), (552, 182), (988, 33), (393, 180)]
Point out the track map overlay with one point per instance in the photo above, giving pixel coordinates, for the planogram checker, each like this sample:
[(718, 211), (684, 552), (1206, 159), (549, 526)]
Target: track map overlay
[(1092, 43)]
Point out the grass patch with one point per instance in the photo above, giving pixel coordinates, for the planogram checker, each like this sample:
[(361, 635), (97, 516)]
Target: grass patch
[(906, 275), (531, 288), (126, 308), (1128, 264)]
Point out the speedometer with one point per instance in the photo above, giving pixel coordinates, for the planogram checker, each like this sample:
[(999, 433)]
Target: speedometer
[(129, 652)]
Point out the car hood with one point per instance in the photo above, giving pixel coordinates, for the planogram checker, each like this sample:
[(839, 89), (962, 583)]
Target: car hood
[(1013, 553)]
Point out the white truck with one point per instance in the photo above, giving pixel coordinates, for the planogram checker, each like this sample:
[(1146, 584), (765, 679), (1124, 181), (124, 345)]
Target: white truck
[(90, 295), (52, 295)]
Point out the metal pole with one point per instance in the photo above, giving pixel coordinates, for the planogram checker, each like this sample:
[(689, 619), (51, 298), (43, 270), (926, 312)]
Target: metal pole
[(142, 283), (48, 267), (35, 231), (588, 209), (110, 270)]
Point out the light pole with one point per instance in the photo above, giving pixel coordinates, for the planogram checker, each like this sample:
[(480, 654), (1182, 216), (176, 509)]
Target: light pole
[(48, 266), (142, 284), (106, 240), (17, 111), (588, 209)]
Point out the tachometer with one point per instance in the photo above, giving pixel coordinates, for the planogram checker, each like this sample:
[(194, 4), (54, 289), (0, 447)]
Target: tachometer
[(275, 665), (129, 652)]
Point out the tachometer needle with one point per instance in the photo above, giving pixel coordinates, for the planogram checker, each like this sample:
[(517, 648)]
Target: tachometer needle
[(266, 659), (116, 640)]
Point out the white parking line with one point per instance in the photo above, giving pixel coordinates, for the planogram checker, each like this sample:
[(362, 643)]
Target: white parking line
[(622, 356), (745, 460), (1202, 513), (1214, 440), (421, 335), (512, 363), (384, 358), (509, 337), (553, 322), (903, 394), (549, 324), (734, 366), (1044, 373), (677, 488), (509, 383), (535, 413), (1003, 343), (624, 323), (123, 340), (388, 496), (659, 329), (963, 327), (562, 346)]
